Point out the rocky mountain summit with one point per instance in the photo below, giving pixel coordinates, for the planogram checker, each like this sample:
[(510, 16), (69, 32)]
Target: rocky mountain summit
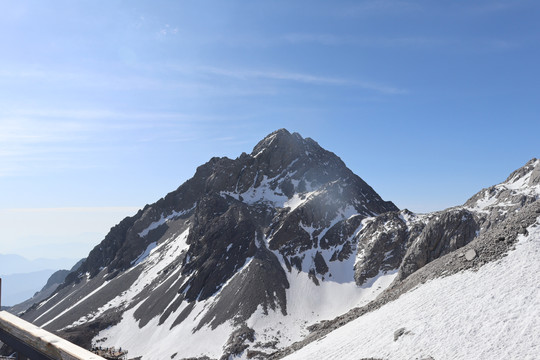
[(269, 251), (248, 243)]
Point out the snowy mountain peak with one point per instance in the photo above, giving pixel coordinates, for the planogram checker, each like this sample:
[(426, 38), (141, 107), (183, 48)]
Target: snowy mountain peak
[(520, 188), (526, 176), (245, 245), (262, 251)]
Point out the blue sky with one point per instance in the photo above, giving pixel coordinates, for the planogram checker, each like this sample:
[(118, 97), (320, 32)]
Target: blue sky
[(106, 106)]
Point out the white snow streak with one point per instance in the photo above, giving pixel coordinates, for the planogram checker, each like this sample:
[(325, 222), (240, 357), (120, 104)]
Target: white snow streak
[(488, 314)]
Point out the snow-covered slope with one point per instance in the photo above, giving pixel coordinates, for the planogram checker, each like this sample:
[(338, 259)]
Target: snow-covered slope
[(491, 313), (255, 255), (447, 260), (248, 253), (520, 188)]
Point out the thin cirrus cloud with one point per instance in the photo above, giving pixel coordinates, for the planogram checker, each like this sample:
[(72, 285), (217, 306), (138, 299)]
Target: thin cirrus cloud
[(70, 231), (28, 144), (90, 209), (335, 40), (185, 81), (447, 44), (100, 114), (168, 30), (30, 128), (380, 7), (493, 6), (301, 78), (51, 139)]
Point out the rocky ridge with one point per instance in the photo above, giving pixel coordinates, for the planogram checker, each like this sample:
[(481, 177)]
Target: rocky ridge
[(225, 249), (254, 252), (443, 243)]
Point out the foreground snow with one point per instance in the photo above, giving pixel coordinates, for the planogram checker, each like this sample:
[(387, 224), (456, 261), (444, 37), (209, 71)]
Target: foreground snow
[(307, 303), (488, 314)]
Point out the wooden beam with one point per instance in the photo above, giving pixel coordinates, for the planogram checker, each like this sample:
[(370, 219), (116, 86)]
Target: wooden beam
[(37, 343)]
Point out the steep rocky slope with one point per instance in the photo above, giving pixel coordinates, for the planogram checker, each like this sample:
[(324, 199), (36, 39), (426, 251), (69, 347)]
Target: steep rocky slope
[(248, 252), (486, 312), (441, 244), (259, 256)]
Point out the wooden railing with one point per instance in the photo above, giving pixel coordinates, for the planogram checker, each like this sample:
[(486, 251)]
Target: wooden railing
[(38, 344)]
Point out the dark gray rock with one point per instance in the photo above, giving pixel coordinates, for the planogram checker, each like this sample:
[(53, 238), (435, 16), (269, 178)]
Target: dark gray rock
[(495, 203), (262, 283), (383, 242), (237, 242), (236, 344), (446, 232), (400, 332), (489, 250)]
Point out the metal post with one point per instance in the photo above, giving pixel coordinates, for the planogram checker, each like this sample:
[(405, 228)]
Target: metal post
[(0, 294)]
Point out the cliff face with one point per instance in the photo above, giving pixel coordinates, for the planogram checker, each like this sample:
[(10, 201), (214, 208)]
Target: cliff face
[(233, 245), (254, 252)]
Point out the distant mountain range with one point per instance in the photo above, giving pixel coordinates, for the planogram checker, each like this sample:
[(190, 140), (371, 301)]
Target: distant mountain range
[(259, 256), (16, 264), (29, 282), (22, 278)]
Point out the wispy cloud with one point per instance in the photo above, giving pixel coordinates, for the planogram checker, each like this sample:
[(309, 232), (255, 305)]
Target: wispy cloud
[(275, 75), (501, 45), (51, 141), (446, 44), (168, 30), (24, 131), (102, 114), (323, 39), (183, 82), (301, 78), (336, 40), (380, 7), (493, 6)]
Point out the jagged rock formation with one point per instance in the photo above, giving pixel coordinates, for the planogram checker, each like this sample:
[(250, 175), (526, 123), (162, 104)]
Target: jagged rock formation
[(384, 241), (491, 246), (231, 246), (443, 234), (254, 252), (438, 244)]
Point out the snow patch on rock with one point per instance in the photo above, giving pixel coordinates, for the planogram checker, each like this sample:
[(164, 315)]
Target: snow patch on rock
[(469, 315)]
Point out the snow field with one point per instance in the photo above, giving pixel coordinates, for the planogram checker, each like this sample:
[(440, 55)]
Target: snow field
[(488, 314), (158, 342), (308, 303)]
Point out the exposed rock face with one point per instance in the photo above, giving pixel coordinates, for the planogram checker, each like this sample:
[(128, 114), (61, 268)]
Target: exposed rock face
[(445, 233), (262, 284), (237, 341), (384, 241), (443, 243), (223, 247), (494, 204), (391, 242), (249, 248)]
